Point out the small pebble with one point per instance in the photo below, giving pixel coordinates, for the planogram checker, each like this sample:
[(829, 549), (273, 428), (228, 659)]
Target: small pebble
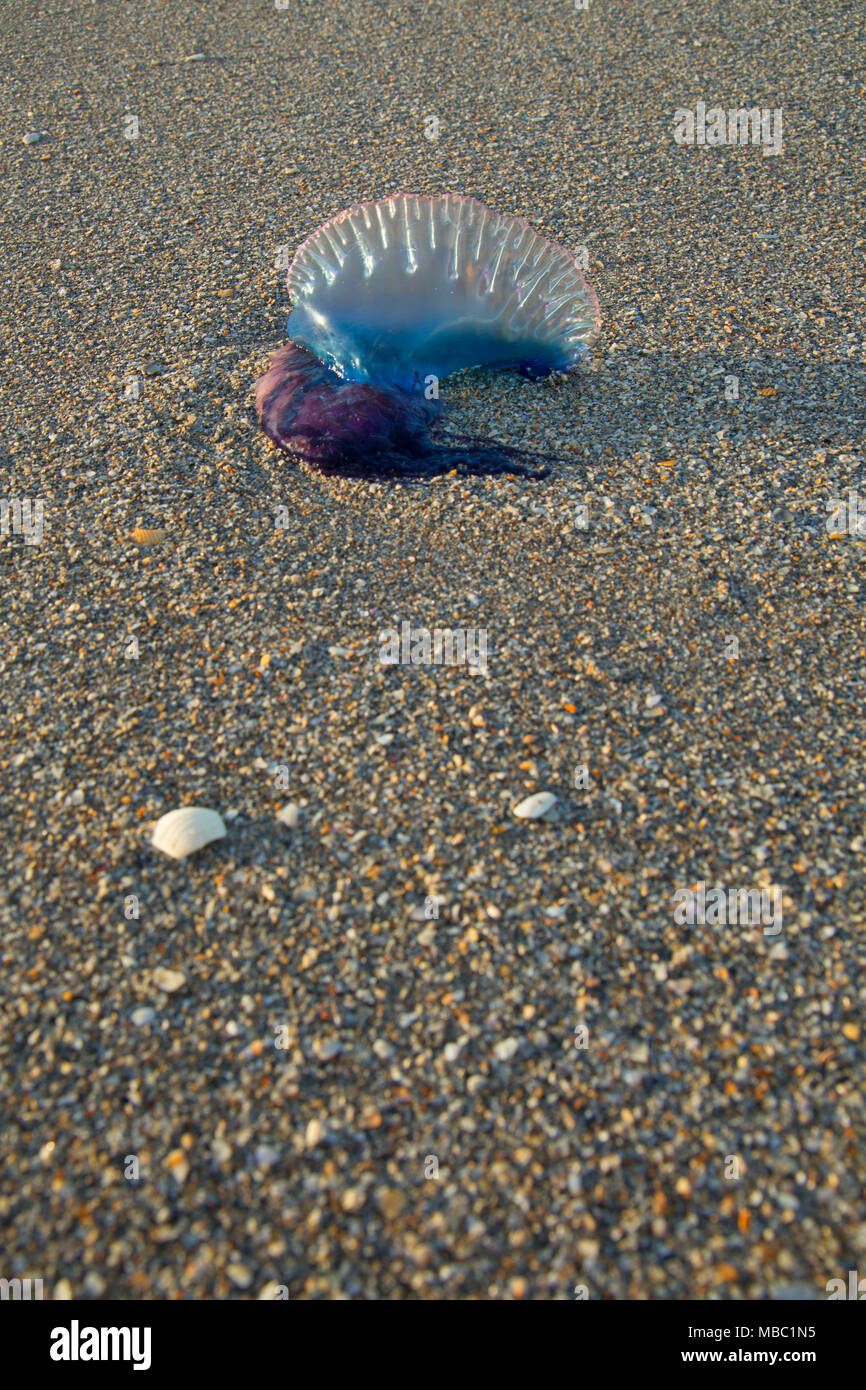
[(391, 1202), (313, 1134), (169, 981), (177, 1165), (270, 1291)]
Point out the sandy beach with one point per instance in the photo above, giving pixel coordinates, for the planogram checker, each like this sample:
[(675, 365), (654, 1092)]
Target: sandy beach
[(387, 1039)]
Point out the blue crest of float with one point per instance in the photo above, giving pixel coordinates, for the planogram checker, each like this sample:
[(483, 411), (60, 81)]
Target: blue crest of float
[(410, 287), (391, 297)]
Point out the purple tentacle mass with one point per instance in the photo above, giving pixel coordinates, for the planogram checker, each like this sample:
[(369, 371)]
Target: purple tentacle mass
[(364, 430)]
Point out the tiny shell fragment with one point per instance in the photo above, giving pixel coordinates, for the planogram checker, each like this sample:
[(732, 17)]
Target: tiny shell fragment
[(143, 536), (534, 806)]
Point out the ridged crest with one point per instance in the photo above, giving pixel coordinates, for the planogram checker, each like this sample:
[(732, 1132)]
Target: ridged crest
[(396, 290), (189, 828)]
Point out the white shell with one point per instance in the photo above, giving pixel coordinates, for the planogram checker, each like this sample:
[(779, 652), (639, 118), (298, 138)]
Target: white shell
[(534, 806), (396, 290), (182, 832)]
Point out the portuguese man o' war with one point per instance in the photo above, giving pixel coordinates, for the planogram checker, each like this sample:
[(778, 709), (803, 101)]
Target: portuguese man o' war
[(391, 297)]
